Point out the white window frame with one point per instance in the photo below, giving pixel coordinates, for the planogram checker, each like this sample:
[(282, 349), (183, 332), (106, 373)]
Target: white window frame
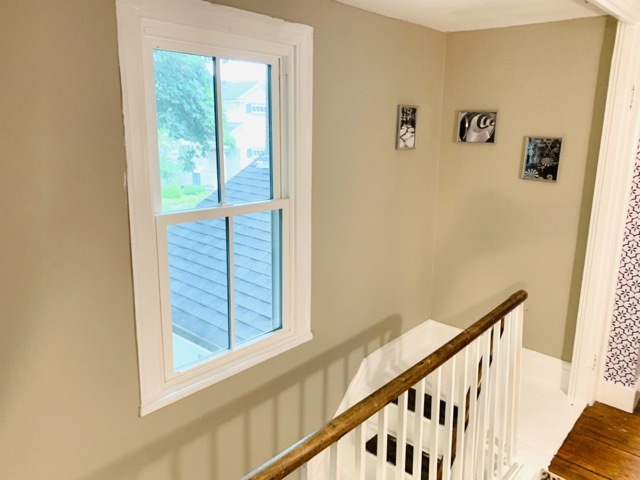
[(201, 26)]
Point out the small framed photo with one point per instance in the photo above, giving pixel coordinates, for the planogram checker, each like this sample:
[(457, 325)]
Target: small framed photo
[(541, 158), (406, 134), (477, 126)]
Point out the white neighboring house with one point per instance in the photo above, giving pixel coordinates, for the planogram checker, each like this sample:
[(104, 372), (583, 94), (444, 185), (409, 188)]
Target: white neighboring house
[(245, 107), (246, 113)]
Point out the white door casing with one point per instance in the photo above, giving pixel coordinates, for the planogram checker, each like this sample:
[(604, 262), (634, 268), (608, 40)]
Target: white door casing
[(620, 135)]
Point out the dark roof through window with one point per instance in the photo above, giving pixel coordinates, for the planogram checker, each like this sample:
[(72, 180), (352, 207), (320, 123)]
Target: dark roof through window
[(198, 268)]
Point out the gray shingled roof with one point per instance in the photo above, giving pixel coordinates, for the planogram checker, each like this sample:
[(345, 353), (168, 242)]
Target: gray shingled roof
[(198, 268)]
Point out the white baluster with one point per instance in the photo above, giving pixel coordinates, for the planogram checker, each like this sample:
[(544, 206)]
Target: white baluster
[(493, 401), (472, 429), (505, 367), (461, 400), (418, 429), (360, 445), (483, 407), (516, 342), (401, 435), (448, 419), (435, 428), (383, 426), (511, 322), (334, 464)]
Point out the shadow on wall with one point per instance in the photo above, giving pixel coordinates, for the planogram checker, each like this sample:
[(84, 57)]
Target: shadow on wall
[(465, 318), (599, 105), (202, 449)]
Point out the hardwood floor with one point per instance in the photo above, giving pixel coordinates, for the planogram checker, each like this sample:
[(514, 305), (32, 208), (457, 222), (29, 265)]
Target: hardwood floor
[(604, 444)]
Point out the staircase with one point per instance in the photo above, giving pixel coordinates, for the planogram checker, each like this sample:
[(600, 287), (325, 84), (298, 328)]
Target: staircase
[(451, 414), (392, 443), (391, 447), (402, 411)]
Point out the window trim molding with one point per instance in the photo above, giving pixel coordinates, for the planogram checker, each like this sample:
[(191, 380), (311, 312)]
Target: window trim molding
[(137, 19)]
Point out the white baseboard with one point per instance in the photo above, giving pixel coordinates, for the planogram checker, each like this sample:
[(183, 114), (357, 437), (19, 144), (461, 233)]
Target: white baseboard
[(618, 396)]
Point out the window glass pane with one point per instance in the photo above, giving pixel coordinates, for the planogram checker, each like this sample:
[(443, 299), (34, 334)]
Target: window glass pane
[(198, 288), (257, 279), (185, 115), (247, 124)]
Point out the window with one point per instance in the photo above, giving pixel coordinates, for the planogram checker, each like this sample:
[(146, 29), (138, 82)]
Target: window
[(217, 106)]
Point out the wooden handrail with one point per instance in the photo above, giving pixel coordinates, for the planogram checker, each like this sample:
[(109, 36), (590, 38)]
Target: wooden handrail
[(307, 448)]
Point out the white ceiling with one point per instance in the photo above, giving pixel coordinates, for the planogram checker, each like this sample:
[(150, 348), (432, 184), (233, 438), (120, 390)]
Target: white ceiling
[(459, 15)]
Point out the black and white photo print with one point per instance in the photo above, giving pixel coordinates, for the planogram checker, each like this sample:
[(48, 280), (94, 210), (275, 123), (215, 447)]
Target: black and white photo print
[(477, 127), (541, 158), (406, 135)]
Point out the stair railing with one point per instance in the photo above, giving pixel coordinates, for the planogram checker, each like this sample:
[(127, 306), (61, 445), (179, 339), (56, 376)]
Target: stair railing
[(471, 425)]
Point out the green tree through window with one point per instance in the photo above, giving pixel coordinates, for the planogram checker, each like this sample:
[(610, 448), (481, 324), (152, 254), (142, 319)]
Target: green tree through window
[(185, 103), (185, 112)]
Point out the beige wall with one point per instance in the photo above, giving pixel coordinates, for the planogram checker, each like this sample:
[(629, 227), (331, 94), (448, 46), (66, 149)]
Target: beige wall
[(68, 375), (495, 231)]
